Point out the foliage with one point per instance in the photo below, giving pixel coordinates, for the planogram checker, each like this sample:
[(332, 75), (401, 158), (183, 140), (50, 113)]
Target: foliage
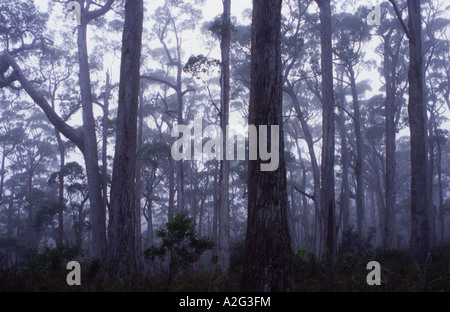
[(352, 243), (201, 64), (180, 246), (218, 24), (398, 272)]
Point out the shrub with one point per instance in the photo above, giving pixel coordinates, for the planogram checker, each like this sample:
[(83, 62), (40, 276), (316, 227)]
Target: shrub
[(180, 246)]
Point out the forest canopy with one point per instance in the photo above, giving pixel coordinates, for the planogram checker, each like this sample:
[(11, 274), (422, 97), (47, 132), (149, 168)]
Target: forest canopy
[(350, 101)]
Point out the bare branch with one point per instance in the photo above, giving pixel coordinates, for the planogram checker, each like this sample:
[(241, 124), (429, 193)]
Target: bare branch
[(69, 132), (400, 18)]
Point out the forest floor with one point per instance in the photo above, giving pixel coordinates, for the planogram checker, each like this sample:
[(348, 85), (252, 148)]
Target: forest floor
[(47, 272)]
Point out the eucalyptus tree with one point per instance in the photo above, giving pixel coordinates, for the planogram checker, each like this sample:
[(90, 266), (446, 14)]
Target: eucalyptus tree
[(85, 137), (394, 72), (300, 45), (172, 20), (351, 32), (328, 204), (121, 227), (267, 264), (32, 160), (420, 229)]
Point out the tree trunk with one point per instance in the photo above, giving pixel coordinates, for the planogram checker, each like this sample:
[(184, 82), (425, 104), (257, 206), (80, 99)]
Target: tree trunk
[(122, 222), (3, 173), (171, 210), (268, 255), (315, 167), (359, 166), (430, 179), (62, 155), (224, 175), (441, 190), (327, 192), (105, 142), (345, 187), (387, 234), (216, 192), (420, 232), (11, 212), (140, 142), (98, 214)]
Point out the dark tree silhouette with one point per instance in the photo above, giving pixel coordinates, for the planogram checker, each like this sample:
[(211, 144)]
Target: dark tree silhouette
[(267, 264)]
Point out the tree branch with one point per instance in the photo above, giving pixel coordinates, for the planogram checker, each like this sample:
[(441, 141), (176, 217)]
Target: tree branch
[(297, 188), (160, 80), (400, 18), (99, 12), (69, 132)]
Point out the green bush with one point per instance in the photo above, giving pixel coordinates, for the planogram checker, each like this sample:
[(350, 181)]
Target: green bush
[(180, 246)]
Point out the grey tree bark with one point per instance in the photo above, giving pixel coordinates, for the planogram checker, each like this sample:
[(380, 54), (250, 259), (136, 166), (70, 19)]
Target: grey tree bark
[(90, 148), (224, 175), (420, 230), (268, 254), (328, 204), (391, 55), (122, 221)]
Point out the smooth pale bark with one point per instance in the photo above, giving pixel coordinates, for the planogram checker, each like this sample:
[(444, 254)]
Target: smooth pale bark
[(84, 138), (90, 148), (121, 230), (314, 164), (62, 163), (171, 210), (268, 254), (345, 186), (140, 142), (108, 89), (215, 226), (224, 175), (328, 204)]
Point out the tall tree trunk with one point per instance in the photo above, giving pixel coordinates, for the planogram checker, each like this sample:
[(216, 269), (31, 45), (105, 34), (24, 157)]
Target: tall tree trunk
[(430, 179), (314, 164), (98, 214), (3, 173), (224, 175), (268, 255), (140, 142), (122, 248), (171, 210), (11, 212), (387, 234), (420, 231), (30, 208), (441, 190), (345, 187), (181, 202), (359, 166), (215, 221), (328, 204), (62, 164), (105, 142)]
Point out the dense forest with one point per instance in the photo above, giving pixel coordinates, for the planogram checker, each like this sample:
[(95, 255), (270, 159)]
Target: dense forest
[(186, 145)]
